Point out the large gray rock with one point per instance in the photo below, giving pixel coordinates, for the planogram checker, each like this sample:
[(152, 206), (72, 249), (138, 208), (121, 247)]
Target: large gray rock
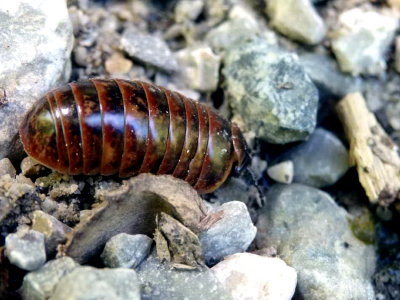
[(36, 42), (161, 281), (312, 234), (85, 283), (126, 250), (26, 249), (40, 284), (362, 40), (269, 90), (253, 277), (297, 19), (320, 161), (232, 232)]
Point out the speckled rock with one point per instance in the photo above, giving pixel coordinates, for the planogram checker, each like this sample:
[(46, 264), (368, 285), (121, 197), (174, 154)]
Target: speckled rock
[(36, 42), (26, 249), (269, 90), (126, 250), (6, 167), (86, 283), (297, 19), (53, 230), (320, 161), (362, 40), (253, 277), (149, 49), (200, 67), (231, 231), (312, 234), (161, 281), (40, 284)]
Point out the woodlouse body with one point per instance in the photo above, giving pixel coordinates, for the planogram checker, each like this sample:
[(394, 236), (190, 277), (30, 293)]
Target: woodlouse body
[(127, 127)]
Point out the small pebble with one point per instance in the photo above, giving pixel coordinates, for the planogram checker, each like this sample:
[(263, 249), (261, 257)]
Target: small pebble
[(6, 167), (282, 172), (30, 167), (26, 249), (87, 283), (40, 284), (188, 10), (149, 49), (297, 19), (53, 230), (232, 231), (253, 277), (397, 54), (362, 40), (126, 250), (118, 64), (200, 68)]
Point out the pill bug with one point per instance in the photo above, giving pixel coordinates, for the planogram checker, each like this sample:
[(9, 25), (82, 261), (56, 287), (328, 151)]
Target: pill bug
[(128, 127)]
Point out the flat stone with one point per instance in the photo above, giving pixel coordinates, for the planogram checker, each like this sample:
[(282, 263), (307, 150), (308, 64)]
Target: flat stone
[(40, 284), (362, 40), (253, 277), (53, 230), (32, 61), (149, 49), (297, 19), (270, 91), (161, 281), (126, 250), (320, 161), (6, 167), (26, 249), (85, 283), (230, 231), (200, 67), (312, 234)]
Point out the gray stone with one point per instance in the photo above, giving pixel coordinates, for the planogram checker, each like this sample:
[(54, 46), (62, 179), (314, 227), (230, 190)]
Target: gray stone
[(6, 167), (297, 19), (324, 72), (362, 40), (36, 42), (320, 161), (312, 234), (26, 249), (149, 49), (232, 231), (161, 281), (217, 10), (199, 67), (270, 91), (253, 277), (53, 230), (282, 172), (126, 250), (40, 284), (86, 283)]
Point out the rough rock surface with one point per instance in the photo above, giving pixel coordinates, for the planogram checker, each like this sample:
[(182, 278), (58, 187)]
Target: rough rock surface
[(161, 281), (253, 277), (126, 250), (6, 167), (320, 161), (269, 89), (229, 230), (26, 249), (297, 19), (40, 284), (36, 42), (85, 283), (313, 235), (362, 40)]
